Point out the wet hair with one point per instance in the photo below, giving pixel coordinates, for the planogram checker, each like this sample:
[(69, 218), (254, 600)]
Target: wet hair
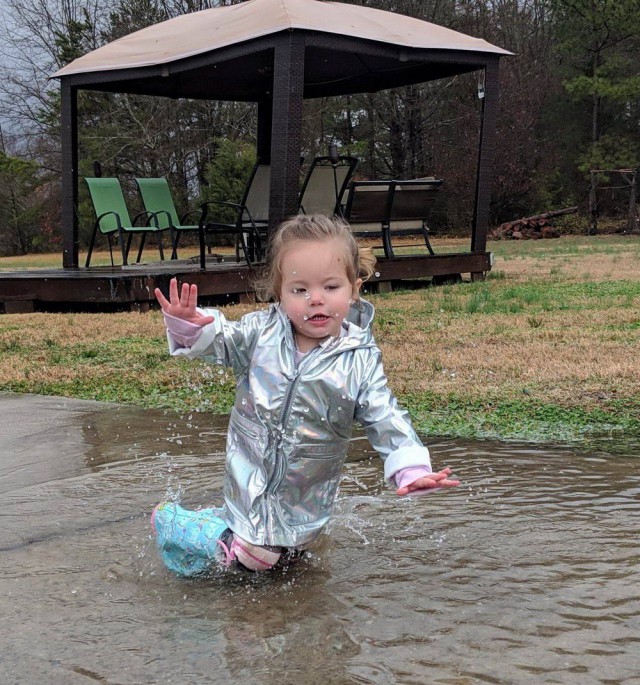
[(359, 262)]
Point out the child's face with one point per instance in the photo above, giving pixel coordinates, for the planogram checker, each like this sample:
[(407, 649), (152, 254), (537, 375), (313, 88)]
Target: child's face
[(316, 292)]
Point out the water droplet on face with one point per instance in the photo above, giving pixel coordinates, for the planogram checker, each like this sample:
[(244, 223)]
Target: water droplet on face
[(294, 272), (305, 318), (307, 296)]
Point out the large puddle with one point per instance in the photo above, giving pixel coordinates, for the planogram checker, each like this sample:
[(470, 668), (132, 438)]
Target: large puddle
[(527, 573)]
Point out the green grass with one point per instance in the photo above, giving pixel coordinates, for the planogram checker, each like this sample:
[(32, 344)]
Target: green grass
[(567, 247), (526, 419), (202, 387), (554, 294), (489, 297)]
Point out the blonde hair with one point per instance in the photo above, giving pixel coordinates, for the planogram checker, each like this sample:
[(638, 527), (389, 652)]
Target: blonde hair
[(360, 262)]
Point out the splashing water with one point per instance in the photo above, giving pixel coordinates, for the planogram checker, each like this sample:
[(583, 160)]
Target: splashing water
[(535, 550)]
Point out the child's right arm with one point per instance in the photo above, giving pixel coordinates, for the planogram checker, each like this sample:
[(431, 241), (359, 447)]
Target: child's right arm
[(206, 334), (183, 305), (181, 333)]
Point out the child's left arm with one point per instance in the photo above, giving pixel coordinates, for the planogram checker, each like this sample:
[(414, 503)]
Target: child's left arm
[(388, 427), (408, 482)]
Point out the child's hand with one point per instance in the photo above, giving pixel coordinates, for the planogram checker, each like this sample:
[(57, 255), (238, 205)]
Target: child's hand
[(182, 306), (433, 480)]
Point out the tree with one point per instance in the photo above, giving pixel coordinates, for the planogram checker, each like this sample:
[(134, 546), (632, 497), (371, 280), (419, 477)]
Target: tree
[(22, 196), (582, 48), (40, 37), (598, 43), (129, 135)]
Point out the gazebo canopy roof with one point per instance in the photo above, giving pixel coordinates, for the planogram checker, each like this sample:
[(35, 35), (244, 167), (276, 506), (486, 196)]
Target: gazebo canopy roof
[(226, 53)]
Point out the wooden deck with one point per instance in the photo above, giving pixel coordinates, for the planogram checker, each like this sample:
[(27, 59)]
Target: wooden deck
[(131, 287)]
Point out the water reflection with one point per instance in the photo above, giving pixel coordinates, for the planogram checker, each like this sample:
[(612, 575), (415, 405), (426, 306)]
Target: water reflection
[(526, 573)]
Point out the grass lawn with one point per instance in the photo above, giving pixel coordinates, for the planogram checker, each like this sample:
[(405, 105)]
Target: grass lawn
[(546, 349), (98, 258)]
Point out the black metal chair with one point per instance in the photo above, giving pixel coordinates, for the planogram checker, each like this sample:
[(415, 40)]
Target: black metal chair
[(251, 216), (325, 184)]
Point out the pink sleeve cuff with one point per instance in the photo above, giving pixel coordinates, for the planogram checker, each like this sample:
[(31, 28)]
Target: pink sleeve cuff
[(182, 332), (407, 476)]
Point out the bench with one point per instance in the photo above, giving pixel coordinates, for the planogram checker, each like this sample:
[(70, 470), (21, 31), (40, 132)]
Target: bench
[(387, 209)]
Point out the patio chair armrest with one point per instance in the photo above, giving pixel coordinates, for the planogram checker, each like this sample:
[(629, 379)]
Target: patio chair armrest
[(183, 219), (102, 216), (221, 202), (205, 207), (152, 216)]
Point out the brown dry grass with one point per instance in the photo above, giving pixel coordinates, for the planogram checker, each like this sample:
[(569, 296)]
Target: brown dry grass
[(579, 356), (566, 359), (576, 356), (623, 263)]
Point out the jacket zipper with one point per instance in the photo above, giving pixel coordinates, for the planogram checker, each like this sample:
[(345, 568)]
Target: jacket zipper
[(279, 469)]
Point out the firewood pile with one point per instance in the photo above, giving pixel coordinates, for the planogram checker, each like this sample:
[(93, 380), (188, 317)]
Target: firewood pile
[(531, 228)]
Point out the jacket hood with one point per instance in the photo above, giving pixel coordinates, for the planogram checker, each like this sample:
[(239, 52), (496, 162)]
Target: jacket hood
[(361, 314), (358, 324)]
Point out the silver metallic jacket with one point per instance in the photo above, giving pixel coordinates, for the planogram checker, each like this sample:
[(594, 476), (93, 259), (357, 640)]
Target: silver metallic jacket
[(290, 427)]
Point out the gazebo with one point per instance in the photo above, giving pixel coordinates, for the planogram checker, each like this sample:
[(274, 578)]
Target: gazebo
[(277, 53)]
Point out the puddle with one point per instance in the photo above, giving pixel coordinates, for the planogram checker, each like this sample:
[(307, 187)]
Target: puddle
[(527, 573)]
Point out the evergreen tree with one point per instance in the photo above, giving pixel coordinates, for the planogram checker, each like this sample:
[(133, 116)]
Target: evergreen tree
[(598, 44)]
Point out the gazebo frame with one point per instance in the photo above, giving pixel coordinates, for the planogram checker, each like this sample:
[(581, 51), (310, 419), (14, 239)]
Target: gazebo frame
[(279, 99)]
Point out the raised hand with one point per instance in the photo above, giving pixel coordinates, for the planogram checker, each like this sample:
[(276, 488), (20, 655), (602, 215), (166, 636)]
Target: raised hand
[(182, 305), (433, 480)]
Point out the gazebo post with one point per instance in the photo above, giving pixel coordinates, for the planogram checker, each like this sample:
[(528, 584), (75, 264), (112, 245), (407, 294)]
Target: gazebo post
[(265, 122), (69, 176), (286, 129), (485, 157)]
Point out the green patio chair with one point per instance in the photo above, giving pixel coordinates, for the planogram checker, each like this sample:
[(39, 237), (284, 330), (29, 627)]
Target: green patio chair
[(158, 201), (113, 219)]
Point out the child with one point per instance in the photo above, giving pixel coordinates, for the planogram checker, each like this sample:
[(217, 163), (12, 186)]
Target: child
[(306, 368)]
